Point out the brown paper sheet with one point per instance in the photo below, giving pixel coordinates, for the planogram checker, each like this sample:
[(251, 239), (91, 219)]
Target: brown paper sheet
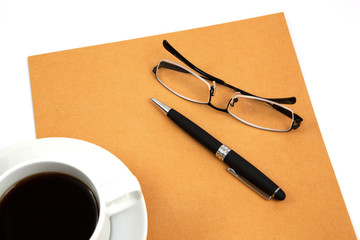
[(101, 94)]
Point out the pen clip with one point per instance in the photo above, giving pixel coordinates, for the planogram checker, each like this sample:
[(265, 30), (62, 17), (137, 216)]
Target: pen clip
[(262, 194)]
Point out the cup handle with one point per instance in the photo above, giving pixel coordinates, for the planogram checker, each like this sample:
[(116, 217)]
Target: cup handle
[(118, 198)]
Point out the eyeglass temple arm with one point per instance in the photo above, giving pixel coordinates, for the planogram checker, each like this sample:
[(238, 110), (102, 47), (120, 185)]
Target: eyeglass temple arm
[(288, 100), (170, 66), (173, 51)]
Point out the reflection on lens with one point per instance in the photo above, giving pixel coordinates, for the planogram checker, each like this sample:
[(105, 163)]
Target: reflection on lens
[(183, 82), (261, 113)]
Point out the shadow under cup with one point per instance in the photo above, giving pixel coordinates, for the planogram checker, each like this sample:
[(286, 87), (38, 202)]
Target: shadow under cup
[(47, 200)]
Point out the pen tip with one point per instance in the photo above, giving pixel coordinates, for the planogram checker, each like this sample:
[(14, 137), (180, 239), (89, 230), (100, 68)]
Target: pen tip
[(280, 195), (164, 107)]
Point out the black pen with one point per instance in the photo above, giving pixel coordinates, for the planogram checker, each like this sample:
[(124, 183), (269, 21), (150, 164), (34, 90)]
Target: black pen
[(239, 167)]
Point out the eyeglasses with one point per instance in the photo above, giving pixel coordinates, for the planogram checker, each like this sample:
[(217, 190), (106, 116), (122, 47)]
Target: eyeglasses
[(192, 85)]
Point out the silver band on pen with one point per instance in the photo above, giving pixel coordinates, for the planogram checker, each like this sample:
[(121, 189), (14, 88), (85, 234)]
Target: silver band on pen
[(222, 152)]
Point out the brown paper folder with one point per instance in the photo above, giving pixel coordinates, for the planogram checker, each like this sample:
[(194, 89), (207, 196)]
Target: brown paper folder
[(101, 94)]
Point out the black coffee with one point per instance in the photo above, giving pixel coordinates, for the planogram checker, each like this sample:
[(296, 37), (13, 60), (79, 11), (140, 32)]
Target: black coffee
[(49, 206)]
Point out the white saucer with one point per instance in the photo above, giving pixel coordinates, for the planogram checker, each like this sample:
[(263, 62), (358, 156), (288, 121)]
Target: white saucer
[(130, 224)]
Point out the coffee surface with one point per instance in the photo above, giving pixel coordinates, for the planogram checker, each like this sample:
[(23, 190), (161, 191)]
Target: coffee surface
[(48, 206)]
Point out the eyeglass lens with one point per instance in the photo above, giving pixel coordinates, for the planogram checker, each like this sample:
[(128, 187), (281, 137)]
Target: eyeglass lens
[(183, 82), (261, 113)]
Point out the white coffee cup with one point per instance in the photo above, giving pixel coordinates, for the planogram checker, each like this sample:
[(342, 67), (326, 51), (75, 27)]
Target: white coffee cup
[(112, 197)]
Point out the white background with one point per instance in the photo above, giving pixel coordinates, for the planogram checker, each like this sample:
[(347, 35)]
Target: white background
[(326, 36)]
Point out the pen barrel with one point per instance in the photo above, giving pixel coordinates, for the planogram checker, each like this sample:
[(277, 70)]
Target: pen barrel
[(194, 130), (250, 173), (234, 160)]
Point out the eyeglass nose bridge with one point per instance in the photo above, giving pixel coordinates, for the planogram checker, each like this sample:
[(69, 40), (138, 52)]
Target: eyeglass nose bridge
[(213, 93)]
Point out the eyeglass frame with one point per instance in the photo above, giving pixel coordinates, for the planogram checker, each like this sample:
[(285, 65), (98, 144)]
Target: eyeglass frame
[(203, 76), (231, 101)]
